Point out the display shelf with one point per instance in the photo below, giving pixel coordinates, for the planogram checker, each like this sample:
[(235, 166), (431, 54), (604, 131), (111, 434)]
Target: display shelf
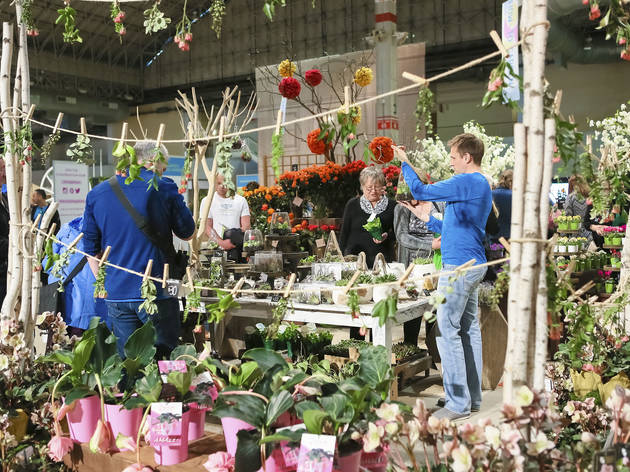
[(607, 246), (611, 268), (567, 231), (556, 254)]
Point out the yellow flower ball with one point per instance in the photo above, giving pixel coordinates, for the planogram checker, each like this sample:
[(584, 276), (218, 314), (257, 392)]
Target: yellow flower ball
[(363, 76), (287, 68)]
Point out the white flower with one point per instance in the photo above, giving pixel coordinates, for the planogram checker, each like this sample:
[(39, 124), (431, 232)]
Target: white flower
[(413, 431), (391, 428), (569, 409), (462, 460), (4, 362), (388, 411), (540, 444), (587, 437), (372, 438), (493, 436), (524, 396)]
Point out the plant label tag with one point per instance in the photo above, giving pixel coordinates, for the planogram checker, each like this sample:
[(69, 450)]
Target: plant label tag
[(275, 298), (297, 201), (290, 451), (166, 423), (274, 243), (316, 453), (165, 367), (204, 385), (320, 242), (172, 287), (263, 277)]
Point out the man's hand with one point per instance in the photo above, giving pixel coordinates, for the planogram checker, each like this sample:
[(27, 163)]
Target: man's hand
[(379, 241), (226, 244), (436, 243), (422, 210)]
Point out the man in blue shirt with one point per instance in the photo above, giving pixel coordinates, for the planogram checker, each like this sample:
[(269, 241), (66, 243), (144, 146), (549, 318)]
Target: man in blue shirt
[(106, 222), (469, 201), (39, 205)]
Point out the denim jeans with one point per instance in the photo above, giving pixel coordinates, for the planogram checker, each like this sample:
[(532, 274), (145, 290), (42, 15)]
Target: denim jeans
[(126, 318), (459, 339)]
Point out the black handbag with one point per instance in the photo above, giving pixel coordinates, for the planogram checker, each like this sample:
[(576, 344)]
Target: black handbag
[(51, 299), (177, 261)]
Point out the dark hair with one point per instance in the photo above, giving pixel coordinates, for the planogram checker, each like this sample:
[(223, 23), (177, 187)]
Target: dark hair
[(506, 178), (468, 143), (42, 192)]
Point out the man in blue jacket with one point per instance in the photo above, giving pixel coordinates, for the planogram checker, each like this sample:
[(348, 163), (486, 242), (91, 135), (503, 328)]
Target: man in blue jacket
[(106, 222), (469, 201)]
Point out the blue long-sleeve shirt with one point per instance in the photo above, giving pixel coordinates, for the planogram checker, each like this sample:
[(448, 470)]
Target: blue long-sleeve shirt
[(107, 223), (469, 201)]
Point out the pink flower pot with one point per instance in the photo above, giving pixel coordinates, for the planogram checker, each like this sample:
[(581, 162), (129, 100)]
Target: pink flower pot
[(231, 427), (374, 461), (196, 426), (83, 417), (123, 421), (349, 463), (169, 455)]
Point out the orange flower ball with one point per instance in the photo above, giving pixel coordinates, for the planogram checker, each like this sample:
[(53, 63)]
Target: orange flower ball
[(316, 145), (381, 147)]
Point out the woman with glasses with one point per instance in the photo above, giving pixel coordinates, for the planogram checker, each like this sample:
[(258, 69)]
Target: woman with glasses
[(354, 237)]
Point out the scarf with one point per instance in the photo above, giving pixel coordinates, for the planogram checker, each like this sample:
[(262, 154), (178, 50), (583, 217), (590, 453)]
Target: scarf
[(379, 208)]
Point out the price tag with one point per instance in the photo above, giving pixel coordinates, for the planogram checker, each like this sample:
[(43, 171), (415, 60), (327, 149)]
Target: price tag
[(274, 243), (165, 367), (263, 277), (320, 242), (173, 286), (316, 453), (297, 201)]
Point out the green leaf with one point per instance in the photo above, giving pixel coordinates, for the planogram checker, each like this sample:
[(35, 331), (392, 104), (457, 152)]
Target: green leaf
[(184, 350), (82, 351), (245, 375), (61, 356), (103, 350), (112, 372), (266, 358), (305, 405), (374, 365), (334, 405), (141, 344), (181, 381), (149, 387), (247, 451), (80, 391), (268, 9), (278, 403), (247, 408), (314, 419)]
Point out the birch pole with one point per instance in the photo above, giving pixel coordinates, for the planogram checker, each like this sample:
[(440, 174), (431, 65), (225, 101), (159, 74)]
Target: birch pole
[(527, 309)]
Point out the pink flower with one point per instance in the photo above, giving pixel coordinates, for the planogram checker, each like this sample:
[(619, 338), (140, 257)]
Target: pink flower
[(102, 438), (64, 410), (625, 54), (595, 13), (495, 84), (622, 40), (188, 37), (123, 31), (556, 159), (59, 446), (117, 20), (220, 462)]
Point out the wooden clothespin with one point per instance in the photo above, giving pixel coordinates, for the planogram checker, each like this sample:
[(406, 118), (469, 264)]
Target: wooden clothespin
[(351, 282), (160, 135), (414, 78), (190, 278), (35, 224), (221, 128), (278, 122), (123, 133), (504, 242), (572, 119), (29, 115), (165, 275), (556, 102), (238, 287), (51, 230), (499, 43), (589, 143), (104, 256), (75, 241), (57, 123), (465, 265), (406, 275), (346, 99), (287, 290), (147, 271), (83, 126)]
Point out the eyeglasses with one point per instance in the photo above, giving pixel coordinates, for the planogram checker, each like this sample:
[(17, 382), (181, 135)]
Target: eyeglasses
[(373, 188)]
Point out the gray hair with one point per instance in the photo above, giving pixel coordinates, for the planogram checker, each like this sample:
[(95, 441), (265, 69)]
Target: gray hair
[(372, 173), (145, 150)]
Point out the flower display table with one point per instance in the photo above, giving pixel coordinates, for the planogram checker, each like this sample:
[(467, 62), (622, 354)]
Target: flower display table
[(83, 460)]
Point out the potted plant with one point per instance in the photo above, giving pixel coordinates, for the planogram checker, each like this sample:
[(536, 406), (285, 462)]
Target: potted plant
[(562, 222), (574, 222), (572, 245), (616, 237), (615, 258), (287, 338), (314, 341), (561, 245), (381, 292), (606, 277)]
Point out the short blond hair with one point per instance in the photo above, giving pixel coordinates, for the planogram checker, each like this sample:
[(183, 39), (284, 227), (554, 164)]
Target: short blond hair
[(372, 173)]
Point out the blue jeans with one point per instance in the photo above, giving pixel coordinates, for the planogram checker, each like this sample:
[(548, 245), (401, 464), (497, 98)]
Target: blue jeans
[(459, 339), (126, 318)]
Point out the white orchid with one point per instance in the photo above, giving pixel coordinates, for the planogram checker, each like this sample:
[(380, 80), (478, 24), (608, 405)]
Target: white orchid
[(372, 439), (493, 436), (524, 396), (462, 460), (541, 443)]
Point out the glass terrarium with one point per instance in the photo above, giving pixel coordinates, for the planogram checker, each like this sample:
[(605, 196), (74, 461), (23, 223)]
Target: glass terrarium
[(268, 262), (280, 223), (252, 241)]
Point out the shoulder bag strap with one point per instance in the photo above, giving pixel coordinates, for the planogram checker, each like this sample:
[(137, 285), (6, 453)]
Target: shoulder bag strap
[(77, 268), (140, 221)]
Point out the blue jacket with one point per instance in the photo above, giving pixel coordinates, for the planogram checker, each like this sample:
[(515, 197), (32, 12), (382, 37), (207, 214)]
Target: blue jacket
[(468, 203), (80, 304), (107, 223)]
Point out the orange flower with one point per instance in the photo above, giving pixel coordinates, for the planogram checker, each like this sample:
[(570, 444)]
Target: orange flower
[(270, 211), (269, 219), (381, 147), (293, 230), (264, 207), (291, 216), (304, 223), (268, 197)]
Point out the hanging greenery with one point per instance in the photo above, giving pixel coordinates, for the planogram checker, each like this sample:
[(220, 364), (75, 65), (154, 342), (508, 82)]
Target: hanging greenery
[(154, 19), (498, 83), (616, 22), (117, 15), (81, 150), (223, 155), (99, 284), (183, 31), (218, 310), (61, 261), (158, 164), (67, 15), (27, 18), (187, 170), (193, 303), (277, 151), (47, 147), (353, 303), (425, 106), (127, 165), (217, 11), (148, 293)]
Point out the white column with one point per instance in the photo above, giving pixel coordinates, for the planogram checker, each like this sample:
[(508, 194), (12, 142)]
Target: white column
[(386, 42)]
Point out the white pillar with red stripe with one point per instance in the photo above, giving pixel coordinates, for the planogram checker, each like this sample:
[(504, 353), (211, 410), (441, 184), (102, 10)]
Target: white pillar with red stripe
[(386, 42)]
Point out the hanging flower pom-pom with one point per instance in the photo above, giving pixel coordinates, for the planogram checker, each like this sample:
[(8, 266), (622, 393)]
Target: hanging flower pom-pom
[(313, 77), (316, 145), (363, 76), (289, 87), (381, 147), (287, 68)]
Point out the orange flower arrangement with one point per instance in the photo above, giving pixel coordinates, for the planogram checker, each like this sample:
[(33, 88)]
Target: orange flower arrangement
[(316, 145), (381, 147)]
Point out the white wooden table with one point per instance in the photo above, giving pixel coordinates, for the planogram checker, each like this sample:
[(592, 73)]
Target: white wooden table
[(334, 315)]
